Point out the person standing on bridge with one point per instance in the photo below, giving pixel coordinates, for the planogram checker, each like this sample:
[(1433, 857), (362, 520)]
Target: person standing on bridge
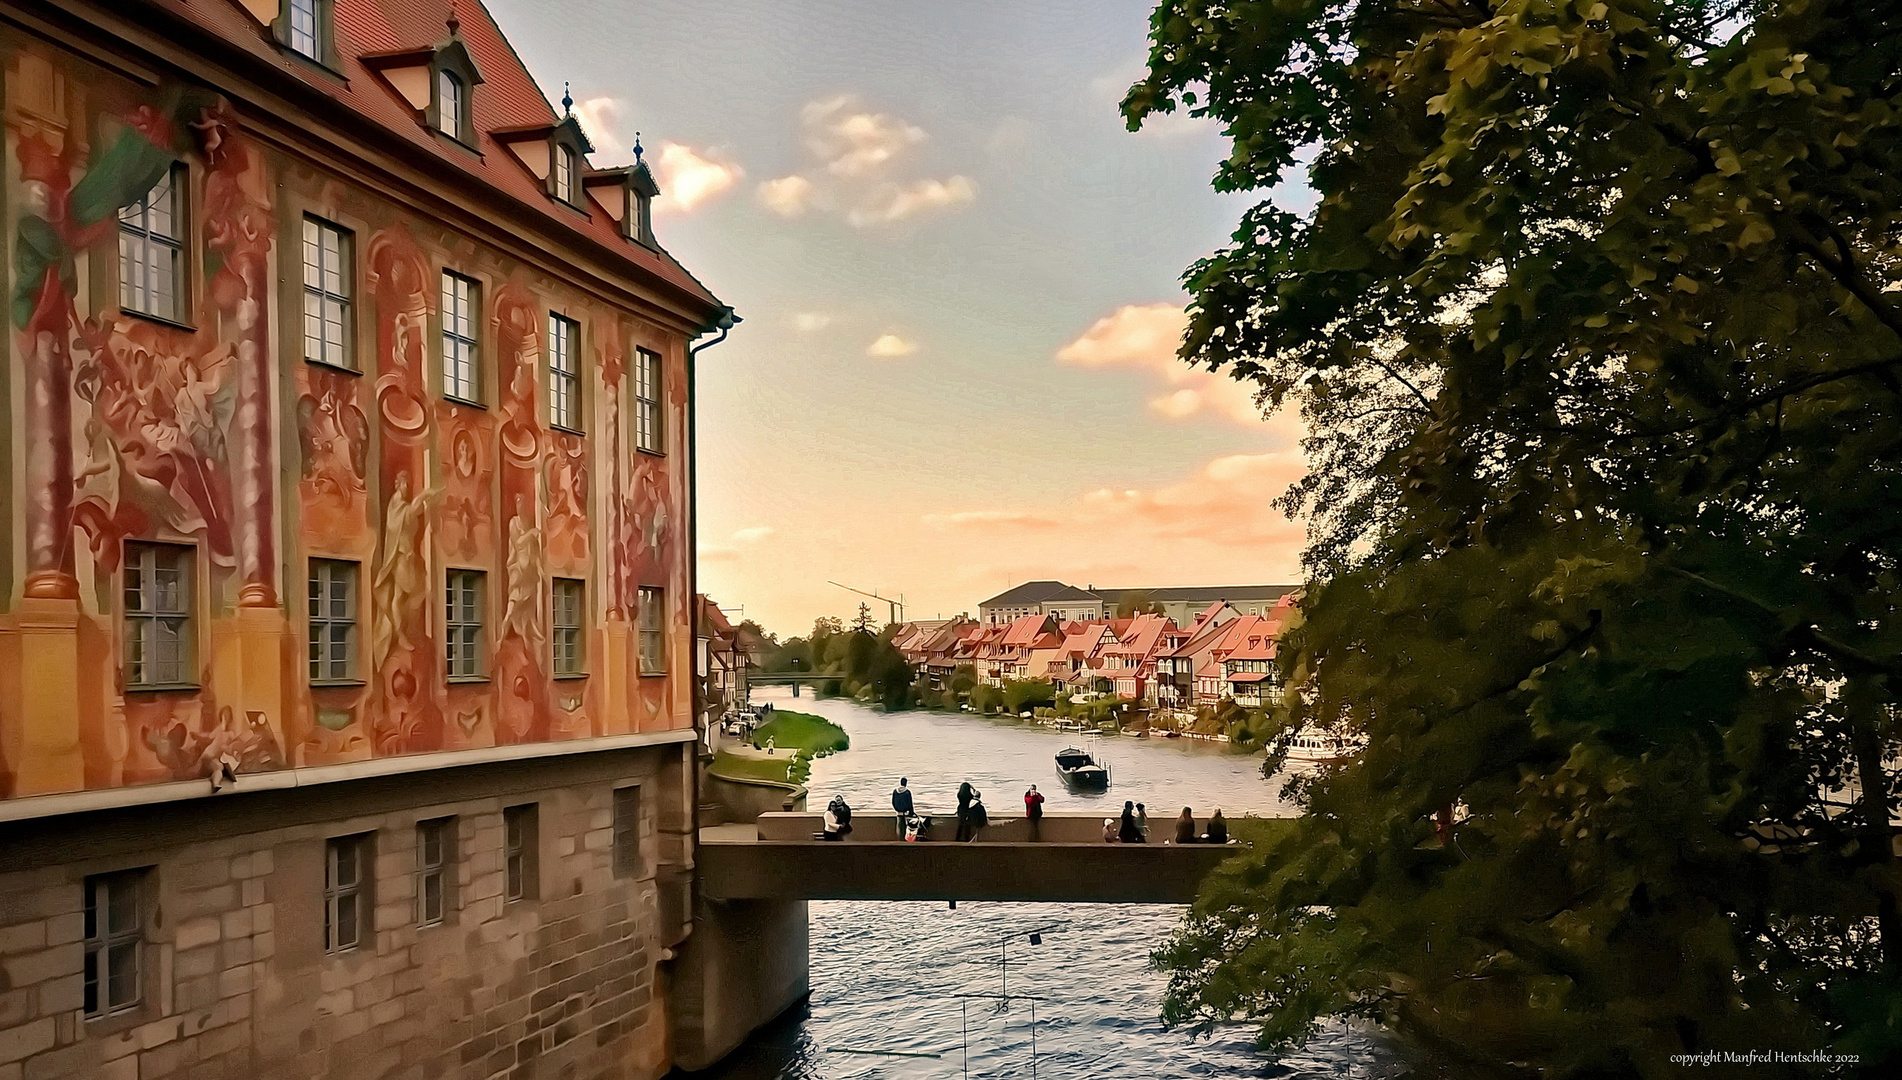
[(1033, 812), (901, 804), (1129, 833), (1142, 821)]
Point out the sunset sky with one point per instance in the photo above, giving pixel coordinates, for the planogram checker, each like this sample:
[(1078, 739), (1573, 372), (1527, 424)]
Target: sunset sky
[(959, 276)]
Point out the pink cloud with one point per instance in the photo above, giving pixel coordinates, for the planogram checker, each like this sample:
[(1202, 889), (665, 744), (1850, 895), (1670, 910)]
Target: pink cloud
[(1144, 338)]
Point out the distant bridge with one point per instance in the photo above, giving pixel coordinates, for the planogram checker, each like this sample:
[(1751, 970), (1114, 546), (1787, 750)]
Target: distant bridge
[(789, 678), (776, 858)]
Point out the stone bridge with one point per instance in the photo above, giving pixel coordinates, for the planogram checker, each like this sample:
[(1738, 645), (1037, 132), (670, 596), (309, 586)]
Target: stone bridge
[(746, 961)]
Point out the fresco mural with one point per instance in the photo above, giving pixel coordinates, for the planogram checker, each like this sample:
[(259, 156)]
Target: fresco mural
[(211, 431)]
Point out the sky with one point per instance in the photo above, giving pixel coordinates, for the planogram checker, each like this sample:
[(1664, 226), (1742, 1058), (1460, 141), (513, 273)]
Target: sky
[(959, 276)]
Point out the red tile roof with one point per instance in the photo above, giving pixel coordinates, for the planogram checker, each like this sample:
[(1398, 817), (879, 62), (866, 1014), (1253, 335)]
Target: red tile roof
[(507, 97)]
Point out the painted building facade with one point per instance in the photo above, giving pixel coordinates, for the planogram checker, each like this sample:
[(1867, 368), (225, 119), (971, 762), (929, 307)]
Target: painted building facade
[(346, 493)]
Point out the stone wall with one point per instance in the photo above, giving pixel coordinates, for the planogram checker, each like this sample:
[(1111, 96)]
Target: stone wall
[(563, 983)]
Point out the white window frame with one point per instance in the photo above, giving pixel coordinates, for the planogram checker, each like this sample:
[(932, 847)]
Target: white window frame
[(452, 103), (152, 236), (435, 868), (329, 284), (109, 896), (156, 619), (567, 618), (653, 630), (463, 596), (648, 434), (305, 40), (352, 894), (564, 372), (461, 337), (567, 174), (333, 621), (520, 851)]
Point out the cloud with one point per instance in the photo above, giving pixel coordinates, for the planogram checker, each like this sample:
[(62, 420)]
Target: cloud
[(890, 347), (900, 203), (858, 154), (1224, 503), (809, 322), (753, 533), (854, 142), (691, 178), (1144, 337), (600, 119), (993, 518), (788, 196)]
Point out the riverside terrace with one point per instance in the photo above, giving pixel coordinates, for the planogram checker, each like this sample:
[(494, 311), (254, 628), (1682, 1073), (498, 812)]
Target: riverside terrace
[(777, 858)]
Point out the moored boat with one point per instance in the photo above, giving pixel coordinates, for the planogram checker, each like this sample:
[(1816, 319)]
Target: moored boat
[(1317, 748), (1079, 770)]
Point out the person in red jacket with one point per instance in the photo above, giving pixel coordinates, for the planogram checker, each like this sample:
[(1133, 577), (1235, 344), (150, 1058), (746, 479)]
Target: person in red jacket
[(1033, 812)]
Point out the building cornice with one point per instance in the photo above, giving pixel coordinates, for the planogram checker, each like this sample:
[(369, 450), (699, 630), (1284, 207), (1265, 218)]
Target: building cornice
[(79, 802), (335, 137)]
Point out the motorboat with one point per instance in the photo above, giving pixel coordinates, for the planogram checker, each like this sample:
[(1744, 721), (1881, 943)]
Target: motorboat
[(1317, 748), (1080, 771)]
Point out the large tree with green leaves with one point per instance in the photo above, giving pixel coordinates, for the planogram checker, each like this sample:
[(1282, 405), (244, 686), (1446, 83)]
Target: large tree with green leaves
[(1597, 332)]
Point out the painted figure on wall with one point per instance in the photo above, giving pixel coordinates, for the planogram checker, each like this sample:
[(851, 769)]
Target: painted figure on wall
[(406, 710), (334, 437)]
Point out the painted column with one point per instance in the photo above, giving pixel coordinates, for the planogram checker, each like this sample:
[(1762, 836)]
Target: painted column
[(239, 224)]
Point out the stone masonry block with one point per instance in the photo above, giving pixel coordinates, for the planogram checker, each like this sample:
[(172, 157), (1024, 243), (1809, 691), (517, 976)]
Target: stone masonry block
[(196, 934), (67, 927), (27, 1039), (49, 963), (22, 937)]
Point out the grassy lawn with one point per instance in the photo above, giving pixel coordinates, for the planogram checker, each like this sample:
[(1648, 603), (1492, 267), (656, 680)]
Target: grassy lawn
[(773, 768), (802, 731)]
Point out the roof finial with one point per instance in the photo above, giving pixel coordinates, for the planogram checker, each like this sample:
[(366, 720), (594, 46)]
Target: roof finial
[(567, 100), (637, 148)]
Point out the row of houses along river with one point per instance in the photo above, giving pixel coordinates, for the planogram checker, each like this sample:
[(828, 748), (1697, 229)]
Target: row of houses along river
[(886, 975)]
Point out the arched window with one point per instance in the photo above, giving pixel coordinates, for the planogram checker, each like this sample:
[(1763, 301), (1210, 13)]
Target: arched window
[(452, 104)]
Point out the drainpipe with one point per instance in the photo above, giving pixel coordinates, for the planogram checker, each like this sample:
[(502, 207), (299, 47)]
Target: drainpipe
[(724, 321)]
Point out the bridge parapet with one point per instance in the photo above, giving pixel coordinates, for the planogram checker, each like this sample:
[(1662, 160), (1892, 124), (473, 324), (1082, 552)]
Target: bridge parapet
[(780, 860)]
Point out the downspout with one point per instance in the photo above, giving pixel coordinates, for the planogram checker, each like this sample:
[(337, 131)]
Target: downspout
[(724, 321)]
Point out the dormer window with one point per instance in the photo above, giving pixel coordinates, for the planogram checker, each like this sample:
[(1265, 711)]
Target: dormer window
[(567, 176), (304, 26), (452, 104)]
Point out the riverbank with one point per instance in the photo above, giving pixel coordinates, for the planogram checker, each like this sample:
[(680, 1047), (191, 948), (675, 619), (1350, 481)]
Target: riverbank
[(796, 739)]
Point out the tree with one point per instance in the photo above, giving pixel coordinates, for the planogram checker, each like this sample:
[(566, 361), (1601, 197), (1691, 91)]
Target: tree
[(1595, 335), (864, 622)]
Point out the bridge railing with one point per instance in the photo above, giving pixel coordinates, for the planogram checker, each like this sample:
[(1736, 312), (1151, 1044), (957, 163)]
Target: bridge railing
[(872, 825)]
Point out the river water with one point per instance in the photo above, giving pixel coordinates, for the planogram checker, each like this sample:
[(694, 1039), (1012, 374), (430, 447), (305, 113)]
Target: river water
[(886, 975)]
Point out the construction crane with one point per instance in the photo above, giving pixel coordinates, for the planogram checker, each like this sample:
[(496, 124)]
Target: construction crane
[(897, 606)]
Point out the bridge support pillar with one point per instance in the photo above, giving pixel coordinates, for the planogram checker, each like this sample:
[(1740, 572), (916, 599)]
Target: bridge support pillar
[(744, 965)]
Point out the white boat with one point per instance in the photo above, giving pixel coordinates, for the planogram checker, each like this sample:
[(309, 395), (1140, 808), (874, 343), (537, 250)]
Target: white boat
[(1317, 748)]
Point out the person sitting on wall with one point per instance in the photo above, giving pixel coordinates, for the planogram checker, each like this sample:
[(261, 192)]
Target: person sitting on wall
[(1033, 812), (1218, 830), (1109, 830), (1185, 827)]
